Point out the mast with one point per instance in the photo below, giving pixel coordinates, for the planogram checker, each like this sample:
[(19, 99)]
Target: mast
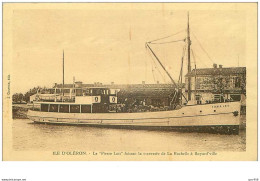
[(189, 65), (63, 74)]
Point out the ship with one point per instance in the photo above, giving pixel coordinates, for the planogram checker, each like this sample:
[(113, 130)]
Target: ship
[(98, 106)]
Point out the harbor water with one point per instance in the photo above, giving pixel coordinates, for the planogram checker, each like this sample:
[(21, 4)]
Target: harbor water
[(28, 136)]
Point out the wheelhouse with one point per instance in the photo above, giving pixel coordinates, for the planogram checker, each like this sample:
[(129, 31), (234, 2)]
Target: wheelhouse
[(80, 100)]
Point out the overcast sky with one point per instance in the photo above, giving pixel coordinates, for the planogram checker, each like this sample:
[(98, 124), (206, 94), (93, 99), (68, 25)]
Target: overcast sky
[(105, 45)]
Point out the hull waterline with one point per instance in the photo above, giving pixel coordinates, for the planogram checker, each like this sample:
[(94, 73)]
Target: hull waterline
[(213, 118)]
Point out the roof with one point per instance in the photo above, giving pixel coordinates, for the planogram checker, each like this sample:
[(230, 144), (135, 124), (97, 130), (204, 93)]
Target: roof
[(217, 71), (72, 85), (119, 86)]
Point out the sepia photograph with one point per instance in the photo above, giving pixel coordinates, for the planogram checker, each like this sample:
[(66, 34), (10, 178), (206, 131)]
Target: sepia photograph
[(129, 81)]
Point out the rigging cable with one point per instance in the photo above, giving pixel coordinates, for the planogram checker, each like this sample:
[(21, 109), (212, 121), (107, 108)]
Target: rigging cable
[(152, 67), (153, 72), (166, 36), (195, 71), (161, 65), (155, 65), (195, 55), (180, 76), (168, 41), (181, 72), (202, 47)]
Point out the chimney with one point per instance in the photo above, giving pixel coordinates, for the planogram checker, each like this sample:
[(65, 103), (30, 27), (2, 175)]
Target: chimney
[(143, 82), (158, 82), (220, 66), (78, 84), (215, 66)]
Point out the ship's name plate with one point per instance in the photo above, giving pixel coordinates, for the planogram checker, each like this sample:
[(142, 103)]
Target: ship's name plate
[(218, 106)]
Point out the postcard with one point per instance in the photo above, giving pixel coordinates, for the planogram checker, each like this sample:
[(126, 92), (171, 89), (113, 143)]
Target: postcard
[(129, 81)]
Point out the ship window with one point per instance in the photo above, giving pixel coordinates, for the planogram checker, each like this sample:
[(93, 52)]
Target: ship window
[(86, 92), (53, 108), (66, 90), (97, 108), (97, 92), (217, 98), (85, 108), (237, 82), (75, 108), (78, 92), (198, 97), (112, 91), (52, 91), (235, 97), (44, 107), (64, 108), (58, 91)]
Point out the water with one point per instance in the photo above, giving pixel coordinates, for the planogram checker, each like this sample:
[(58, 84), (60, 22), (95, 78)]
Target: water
[(28, 136)]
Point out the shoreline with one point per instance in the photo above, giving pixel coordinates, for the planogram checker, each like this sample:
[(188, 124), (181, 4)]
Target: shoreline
[(19, 111)]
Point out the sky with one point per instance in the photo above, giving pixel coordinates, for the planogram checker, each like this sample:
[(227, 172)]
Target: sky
[(108, 44)]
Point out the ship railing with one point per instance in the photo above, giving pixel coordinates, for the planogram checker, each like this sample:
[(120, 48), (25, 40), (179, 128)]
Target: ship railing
[(34, 107)]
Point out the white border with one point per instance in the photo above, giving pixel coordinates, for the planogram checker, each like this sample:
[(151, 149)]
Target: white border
[(145, 171)]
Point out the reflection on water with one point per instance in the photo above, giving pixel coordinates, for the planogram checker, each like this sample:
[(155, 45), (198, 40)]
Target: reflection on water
[(40, 137)]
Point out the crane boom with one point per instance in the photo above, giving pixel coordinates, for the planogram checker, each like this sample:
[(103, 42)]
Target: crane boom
[(162, 65)]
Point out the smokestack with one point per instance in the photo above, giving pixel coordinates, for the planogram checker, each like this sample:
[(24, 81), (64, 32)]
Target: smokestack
[(220, 66), (78, 84), (215, 66)]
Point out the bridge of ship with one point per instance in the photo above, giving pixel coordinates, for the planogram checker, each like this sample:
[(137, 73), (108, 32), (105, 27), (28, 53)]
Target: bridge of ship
[(84, 100)]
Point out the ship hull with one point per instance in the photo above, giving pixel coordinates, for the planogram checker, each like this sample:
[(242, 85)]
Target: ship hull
[(214, 118)]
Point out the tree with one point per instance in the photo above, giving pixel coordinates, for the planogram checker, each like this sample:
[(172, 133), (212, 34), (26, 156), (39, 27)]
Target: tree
[(243, 84), (17, 97), (32, 92)]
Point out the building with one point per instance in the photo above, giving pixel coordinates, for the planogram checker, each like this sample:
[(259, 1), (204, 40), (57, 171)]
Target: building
[(217, 84)]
